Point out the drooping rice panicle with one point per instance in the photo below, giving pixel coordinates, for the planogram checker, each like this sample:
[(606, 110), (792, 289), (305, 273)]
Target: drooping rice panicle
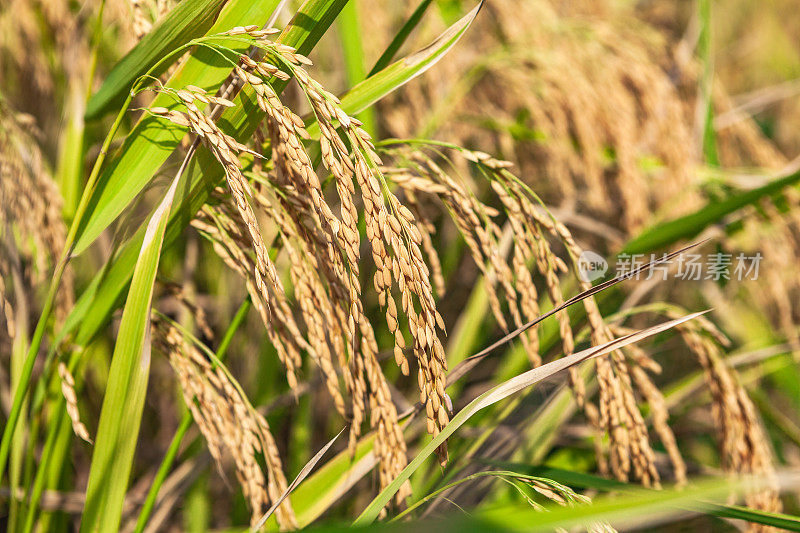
[(228, 423)]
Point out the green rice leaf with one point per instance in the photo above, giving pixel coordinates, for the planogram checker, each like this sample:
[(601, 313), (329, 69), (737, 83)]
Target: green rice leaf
[(778, 520), (498, 393), (580, 480), (121, 414), (686, 227), (637, 508), (189, 19), (297, 480), (354, 60), (401, 72), (325, 486), (401, 37), (152, 140)]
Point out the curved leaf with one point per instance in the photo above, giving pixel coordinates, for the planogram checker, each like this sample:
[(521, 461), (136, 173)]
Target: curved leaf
[(498, 393), (689, 226), (152, 140), (400, 38), (189, 19), (401, 72), (123, 403)]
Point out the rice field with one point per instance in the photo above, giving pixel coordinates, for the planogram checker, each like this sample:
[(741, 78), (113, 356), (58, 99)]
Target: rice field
[(497, 266)]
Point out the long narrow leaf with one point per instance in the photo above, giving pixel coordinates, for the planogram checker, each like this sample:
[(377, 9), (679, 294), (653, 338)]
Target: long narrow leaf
[(353, 55), (692, 224), (299, 479), (468, 363), (123, 403), (400, 38), (389, 79), (325, 486), (189, 19), (779, 520), (498, 393), (581, 480), (152, 140), (637, 508), (401, 72)]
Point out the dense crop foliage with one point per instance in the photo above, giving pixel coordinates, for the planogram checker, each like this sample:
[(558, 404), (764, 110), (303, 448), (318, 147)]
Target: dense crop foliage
[(489, 265)]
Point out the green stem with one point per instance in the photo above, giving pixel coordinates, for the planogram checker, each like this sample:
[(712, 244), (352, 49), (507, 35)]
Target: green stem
[(41, 477), (400, 38), (447, 487), (163, 471), (36, 342), (353, 51), (709, 141), (27, 369), (71, 151), (57, 478), (98, 30)]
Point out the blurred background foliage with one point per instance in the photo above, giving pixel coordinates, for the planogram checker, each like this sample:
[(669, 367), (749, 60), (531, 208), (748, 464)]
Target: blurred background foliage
[(642, 125)]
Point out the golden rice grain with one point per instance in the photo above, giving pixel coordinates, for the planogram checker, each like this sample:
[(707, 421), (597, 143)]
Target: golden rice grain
[(68, 390), (228, 422)]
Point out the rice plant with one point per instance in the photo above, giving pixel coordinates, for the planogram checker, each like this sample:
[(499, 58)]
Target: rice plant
[(269, 265)]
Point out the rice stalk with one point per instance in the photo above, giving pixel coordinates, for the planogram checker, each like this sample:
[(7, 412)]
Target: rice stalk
[(743, 444), (30, 211), (71, 398), (594, 114), (617, 412), (228, 422)]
